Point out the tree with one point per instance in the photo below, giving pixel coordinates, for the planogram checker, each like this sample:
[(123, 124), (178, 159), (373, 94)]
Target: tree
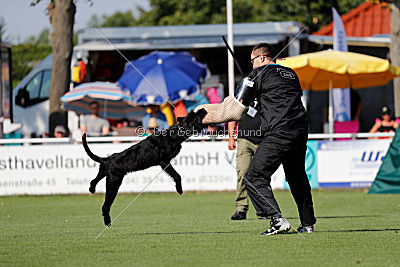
[(95, 21), (118, 19), (41, 38), (61, 15), (24, 58), (26, 55), (3, 36), (313, 13)]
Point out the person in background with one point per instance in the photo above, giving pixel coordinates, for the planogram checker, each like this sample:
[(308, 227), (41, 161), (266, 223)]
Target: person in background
[(75, 75), (356, 105), (169, 115), (82, 70), (154, 112), (93, 124), (385, 123), (211, 131), (78, 72), (152, 126), (59, 131), (248, 138)]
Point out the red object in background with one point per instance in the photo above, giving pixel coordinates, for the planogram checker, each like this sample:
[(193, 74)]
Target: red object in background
[(212, 94), (180, 110), (82, 71), (113, 122), (346, 127), (365, 20)]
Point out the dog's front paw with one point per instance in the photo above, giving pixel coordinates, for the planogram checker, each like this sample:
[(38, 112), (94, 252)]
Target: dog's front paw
[(92, 189), (178, 187), (107, 220)]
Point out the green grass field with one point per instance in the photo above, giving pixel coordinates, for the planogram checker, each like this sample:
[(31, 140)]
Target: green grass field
[(195, 229)]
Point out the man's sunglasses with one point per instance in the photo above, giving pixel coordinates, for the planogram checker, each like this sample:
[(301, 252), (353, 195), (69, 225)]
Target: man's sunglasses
[(252, 60)]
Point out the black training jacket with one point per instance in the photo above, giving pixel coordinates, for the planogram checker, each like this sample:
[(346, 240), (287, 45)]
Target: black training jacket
[(250, 127), (278, 90)]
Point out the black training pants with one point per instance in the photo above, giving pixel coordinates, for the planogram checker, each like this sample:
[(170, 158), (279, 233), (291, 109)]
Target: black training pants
[(289, 149)]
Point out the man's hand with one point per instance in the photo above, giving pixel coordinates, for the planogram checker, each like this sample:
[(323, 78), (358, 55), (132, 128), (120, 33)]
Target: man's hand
[(231, 131), (232, 144)]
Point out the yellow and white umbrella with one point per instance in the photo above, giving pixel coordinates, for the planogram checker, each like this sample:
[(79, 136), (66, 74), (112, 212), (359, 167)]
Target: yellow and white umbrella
[(329, 69)]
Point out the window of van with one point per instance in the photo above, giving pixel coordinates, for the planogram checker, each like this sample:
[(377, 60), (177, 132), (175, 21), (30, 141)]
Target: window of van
[(45, 88), (33, 87), (38, 88)]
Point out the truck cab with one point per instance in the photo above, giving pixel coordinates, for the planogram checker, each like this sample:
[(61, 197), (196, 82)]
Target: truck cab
[(31, 100)]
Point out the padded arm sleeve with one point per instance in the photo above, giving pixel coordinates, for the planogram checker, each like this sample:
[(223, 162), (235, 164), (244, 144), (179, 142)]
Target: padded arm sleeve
[(244, 92)]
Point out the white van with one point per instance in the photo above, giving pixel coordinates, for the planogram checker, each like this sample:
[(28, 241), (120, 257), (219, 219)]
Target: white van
[(31, 100)]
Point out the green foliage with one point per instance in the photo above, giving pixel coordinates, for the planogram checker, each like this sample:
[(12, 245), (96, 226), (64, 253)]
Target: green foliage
[(118, 19), (75, 38), (25, 57), (94, 21), (313, 13), (165, 12), (166, 229), (41, 38)]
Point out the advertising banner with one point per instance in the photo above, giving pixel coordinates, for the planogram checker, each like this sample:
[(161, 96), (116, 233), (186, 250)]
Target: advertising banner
[(64, 169), (310, 164), (341, 97), (350, 163)]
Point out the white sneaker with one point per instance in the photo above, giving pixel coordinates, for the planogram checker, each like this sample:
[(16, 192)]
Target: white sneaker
[(306, 229), (278, 225)]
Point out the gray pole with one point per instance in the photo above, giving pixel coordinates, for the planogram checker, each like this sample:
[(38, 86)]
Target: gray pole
[(1, 91), (231, 71)]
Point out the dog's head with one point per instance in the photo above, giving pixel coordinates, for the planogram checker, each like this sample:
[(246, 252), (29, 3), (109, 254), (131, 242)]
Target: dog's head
[(186, 127), (193, 120), (192, 123)]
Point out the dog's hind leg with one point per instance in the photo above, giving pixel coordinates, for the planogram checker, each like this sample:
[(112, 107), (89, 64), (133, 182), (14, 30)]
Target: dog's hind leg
[(112, 185), (167, 167), (100, 175)]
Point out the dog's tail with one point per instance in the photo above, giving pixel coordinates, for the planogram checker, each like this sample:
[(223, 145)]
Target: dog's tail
[(90, 153)]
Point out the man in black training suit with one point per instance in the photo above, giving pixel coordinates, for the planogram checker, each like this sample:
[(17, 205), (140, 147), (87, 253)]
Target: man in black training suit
[(284, 127)]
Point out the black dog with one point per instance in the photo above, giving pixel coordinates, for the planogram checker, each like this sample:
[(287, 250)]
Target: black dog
[(157, 149)]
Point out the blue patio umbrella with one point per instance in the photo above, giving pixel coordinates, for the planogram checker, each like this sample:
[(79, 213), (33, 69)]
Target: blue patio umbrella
[(168, 76), (114, 102)]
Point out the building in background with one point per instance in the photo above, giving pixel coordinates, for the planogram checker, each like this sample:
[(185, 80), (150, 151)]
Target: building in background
[(368, 32)]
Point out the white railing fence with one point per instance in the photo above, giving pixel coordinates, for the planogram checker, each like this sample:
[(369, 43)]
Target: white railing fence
[(71, 140)]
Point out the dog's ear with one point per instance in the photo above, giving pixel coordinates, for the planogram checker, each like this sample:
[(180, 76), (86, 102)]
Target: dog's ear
[(198, 118), (201, 113)]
